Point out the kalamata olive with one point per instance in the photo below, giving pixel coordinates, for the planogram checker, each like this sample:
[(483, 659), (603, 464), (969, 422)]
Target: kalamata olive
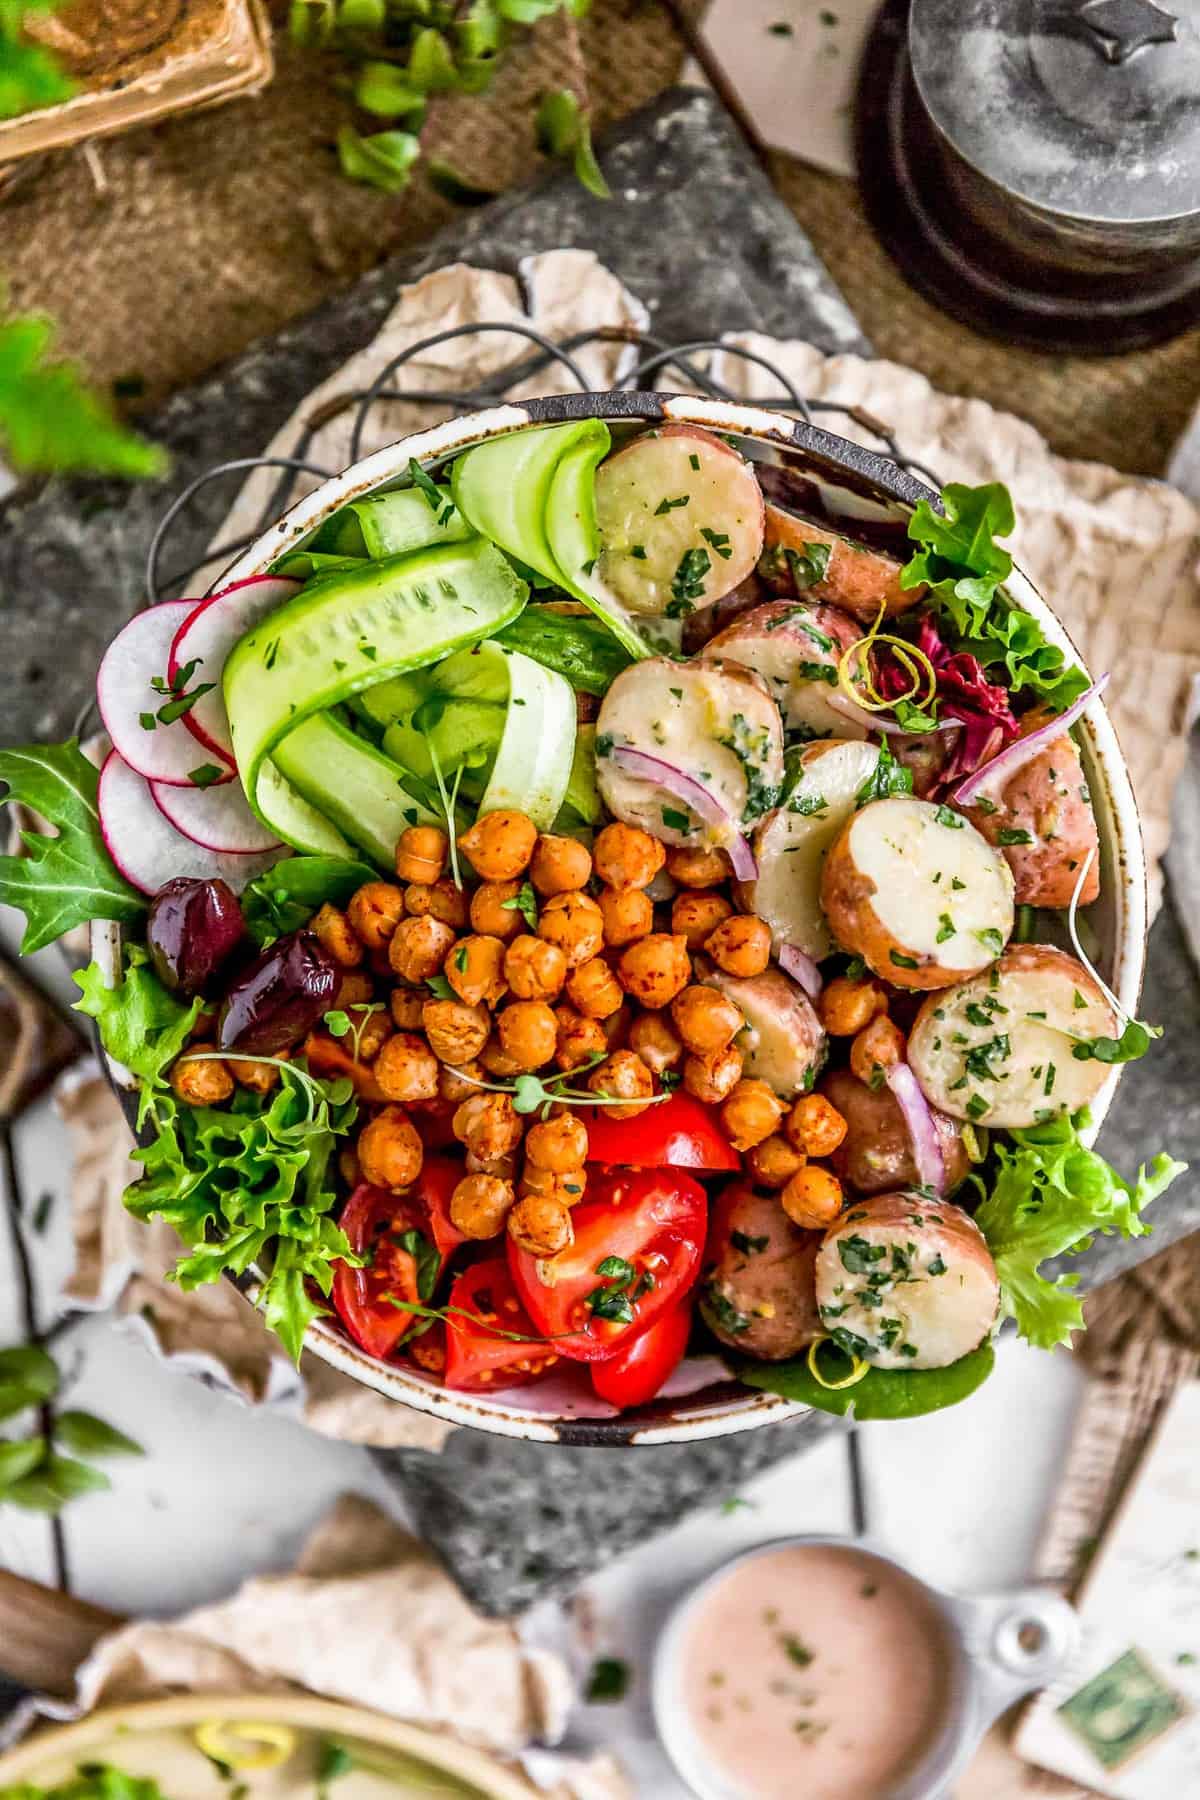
[(279, 998), (193, 929)]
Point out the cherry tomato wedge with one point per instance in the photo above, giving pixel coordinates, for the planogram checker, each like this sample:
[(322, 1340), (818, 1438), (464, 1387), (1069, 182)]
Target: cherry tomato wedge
[(376, 1220), (477, 1356), (635, 1374), (639, 1240), (681, 1133)]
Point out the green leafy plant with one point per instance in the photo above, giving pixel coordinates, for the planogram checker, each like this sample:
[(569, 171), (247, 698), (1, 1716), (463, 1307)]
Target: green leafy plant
[(51, 422), (288, 894), (36, 1474), (398, 56), (30, 78), (92, 1781)]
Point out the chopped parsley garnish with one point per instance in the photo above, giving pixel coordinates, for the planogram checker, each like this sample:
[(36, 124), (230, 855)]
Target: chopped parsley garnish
[(808, 566), (888, 777), (752, 747), (991, 940), (524, 902), (205, 775), (1011, 834), (694, 460), (976, 1106), (441, 508), (937, 1266), (901, 961), (666, 506), (638, 551), (858, 1256), (808, 805), (675, 820), (723, 1310), (950, 820), (749, 1246), (608, 1682), (946, 928), (688, 580), (719, 541)]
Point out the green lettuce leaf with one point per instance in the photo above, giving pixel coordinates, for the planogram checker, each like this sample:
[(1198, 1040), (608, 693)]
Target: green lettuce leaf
[(289, 893), (68, 879), (141, 1024), (1051, 1195)]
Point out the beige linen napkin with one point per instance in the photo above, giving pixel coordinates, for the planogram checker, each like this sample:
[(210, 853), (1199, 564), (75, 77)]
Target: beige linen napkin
[(1115, 554), (368, 1616)]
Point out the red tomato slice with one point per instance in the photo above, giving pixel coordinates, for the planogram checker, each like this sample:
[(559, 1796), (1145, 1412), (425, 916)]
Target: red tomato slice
[(477, 1357), (682, 1133), (374, 1219), (635, 1374), (650, 1223)]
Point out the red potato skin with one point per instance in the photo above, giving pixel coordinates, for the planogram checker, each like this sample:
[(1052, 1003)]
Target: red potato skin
[(846, 897), (777, 1279), (1047, 799), (857, 579), (875, 1156)]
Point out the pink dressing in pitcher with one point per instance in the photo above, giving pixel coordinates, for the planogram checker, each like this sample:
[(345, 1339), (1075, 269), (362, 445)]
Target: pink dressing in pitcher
[(815, 1672)]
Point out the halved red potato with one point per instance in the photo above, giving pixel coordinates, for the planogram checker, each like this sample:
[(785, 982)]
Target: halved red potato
[(857, 578), (792, 842), (907, 1282), (783, 1042), (680, 515), (713, 720), (1042, 820), (999, 1050), (796, 649), (915, 891), (876, 1154), (758, 1293)]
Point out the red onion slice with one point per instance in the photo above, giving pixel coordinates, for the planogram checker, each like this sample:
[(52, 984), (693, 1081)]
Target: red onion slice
[(802, 969), (927, 1151), (694, 795), (1002, 768)]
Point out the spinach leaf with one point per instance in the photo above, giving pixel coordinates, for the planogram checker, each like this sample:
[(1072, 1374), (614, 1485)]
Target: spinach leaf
[(881, 1394), (582, 649), (290, 892)]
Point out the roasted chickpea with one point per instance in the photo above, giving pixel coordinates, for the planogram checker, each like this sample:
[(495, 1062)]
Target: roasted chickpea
[(812, 1199), (705, 1019), (569, 1187), (504, 1168), (201, 1083), (534, 969), (406, 1068), (375, 911), (475, 970), (655, 969), (741, 945), (348, 1167), (750, 1113), (846, 1006), (479, 1205), (624, 1076), (456, 1032), (628, 914), (528, 1032), (655, 1042), (580, 1040), (418, 948), (256, 1077), (876, 1047), (488, 1125), (710, 1078), (696, 915), (616, 1027), (389, 1149), (540, 1225), (407, 1006), (575, 924), (458, 1082), (440, 899), (559, 865), (773, 1162), (594, 990), (370, 1031), (815, 1125), (500, 845), (698, 868), (497, 1062), (558, 1144), (332, 929), (626, 857), (355, 989), (491, 913), (421, 853)]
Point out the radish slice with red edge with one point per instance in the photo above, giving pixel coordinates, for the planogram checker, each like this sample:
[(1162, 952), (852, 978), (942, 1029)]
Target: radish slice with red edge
[(918, 1119), (206, 638), (217, 818), (802, 969), (694, 795), (138, 655), (146, 847), (1000, 771)]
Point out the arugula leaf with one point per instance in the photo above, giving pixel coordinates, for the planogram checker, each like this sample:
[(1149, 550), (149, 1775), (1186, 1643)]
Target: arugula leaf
[(68, 879), (290, 892), (142, 1025), (564, 129), (1050, 1195), (964, 567), (50, 421), (30, 78)]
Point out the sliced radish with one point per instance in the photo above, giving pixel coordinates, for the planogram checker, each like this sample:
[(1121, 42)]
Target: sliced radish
[(146, 847), (125, 697), (217, 818), (207, 636)]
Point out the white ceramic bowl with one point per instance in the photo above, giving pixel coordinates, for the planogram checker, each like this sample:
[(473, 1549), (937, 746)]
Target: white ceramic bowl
[(851, 484)]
